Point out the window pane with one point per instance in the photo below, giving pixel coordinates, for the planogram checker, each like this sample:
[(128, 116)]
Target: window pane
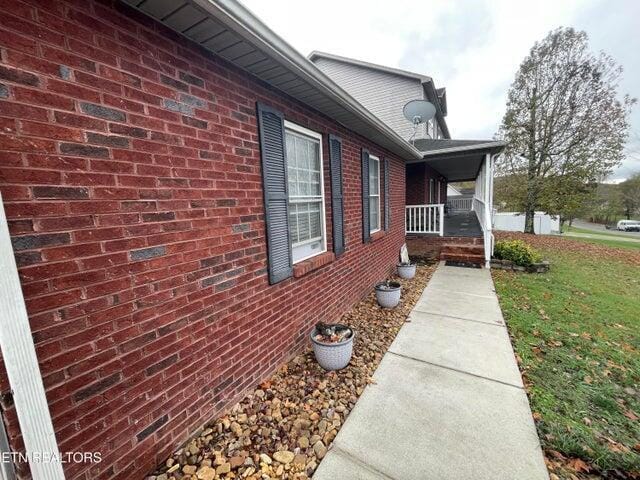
[(303, 159), (303, 222), (374, 214), (291, 167), (374, 176), (315, 226), (293, 222)]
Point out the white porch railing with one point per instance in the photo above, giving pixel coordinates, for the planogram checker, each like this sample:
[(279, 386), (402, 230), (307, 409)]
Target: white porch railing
[(460, 204), (483, 205), (424, 219)]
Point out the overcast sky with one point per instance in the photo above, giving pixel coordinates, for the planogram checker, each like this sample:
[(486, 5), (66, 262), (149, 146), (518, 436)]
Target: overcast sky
[(471, 47)]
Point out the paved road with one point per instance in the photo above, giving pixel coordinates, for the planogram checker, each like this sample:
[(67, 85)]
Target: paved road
[(447, 402), (596, 227)]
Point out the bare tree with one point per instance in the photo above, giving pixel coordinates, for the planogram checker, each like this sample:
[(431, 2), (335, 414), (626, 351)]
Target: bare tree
[(563, 120)]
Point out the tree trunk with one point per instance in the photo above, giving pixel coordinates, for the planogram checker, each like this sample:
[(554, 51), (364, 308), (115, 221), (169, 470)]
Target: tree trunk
[(529, 216)]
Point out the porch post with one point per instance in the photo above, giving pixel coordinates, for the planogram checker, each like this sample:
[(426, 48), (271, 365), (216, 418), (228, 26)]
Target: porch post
[(488, 244), (21, 362)]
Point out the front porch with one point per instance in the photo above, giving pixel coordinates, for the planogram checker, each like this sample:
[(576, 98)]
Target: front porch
[(453, 232)]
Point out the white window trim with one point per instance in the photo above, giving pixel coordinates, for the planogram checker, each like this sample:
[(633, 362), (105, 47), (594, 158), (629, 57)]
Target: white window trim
[(323, 224), (373, 157)]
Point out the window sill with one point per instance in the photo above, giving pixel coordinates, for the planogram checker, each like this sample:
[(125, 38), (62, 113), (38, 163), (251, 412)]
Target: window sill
[(313, 263), (377, 235)]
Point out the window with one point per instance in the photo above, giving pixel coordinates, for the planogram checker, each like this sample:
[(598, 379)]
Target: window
[(306, 192), (374, 194)]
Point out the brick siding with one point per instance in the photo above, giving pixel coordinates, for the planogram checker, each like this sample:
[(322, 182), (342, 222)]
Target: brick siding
[(418, 187), (130, 174)]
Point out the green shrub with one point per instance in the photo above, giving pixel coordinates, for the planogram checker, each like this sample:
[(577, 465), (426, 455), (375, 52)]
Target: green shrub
[(517, 251)]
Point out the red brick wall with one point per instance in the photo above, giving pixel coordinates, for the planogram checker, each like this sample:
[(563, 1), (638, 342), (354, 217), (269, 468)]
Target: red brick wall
[(418, 186), (130, 172)]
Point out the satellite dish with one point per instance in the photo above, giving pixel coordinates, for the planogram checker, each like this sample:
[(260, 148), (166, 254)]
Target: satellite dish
[(419, 111)]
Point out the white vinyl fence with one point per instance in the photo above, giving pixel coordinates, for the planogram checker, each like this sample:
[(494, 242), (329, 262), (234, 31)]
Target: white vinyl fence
[(543, 224)]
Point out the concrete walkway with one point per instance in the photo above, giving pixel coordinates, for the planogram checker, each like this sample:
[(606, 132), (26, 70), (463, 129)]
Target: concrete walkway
[(448, 400)]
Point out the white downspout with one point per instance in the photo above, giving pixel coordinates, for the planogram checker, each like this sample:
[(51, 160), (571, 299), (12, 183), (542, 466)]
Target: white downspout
[(19, 354)]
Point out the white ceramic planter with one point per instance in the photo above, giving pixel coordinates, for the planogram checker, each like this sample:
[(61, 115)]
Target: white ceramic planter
[(332, 356), (407, 271), (388, 295)]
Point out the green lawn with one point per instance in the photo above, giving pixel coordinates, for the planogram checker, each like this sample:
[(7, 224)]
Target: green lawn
[(612, 239), (608, 233), (576, 331)]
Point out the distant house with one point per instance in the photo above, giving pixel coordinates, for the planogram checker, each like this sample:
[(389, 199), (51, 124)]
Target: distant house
[(453, 191), (186, 196)]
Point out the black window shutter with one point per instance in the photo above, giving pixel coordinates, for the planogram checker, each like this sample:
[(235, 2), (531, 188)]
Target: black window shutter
[(387, 200), (337, 206), (366, 234), (276, 193)]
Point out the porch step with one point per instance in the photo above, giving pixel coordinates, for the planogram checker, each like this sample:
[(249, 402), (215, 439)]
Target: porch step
[(463, 252), (466, 248), (463, 257)]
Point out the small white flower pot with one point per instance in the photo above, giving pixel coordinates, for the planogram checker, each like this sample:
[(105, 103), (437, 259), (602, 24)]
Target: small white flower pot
[(388, 294), (406, 270), (332, 356)]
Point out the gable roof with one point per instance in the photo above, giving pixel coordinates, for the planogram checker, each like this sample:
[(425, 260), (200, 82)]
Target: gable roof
[(435, 96), (231, 31), (374, 66)]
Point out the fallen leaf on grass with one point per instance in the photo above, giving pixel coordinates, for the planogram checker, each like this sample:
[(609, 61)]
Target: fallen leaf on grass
[(556, 454), (631, 415), (578, 465), (615, 446), (588, 380)]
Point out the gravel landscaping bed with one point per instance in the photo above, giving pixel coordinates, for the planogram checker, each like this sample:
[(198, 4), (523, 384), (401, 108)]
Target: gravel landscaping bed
[(284, 427)]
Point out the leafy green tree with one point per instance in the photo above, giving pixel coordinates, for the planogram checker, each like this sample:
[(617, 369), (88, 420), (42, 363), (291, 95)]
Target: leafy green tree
[(630, 195), (564, 125)]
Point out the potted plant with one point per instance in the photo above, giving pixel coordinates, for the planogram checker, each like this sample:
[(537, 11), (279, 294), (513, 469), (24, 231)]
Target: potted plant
[(388, 294), (332, 345), (406, 270)]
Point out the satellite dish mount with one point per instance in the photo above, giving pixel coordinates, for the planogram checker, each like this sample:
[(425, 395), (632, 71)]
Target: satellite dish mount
[(417, 112)]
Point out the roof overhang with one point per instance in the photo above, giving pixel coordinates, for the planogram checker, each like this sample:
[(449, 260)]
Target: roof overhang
[(457, 160), (231, 31)]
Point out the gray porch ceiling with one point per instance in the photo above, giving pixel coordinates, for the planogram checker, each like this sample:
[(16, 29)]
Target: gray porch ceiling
[(457, 160), (232, 32)]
